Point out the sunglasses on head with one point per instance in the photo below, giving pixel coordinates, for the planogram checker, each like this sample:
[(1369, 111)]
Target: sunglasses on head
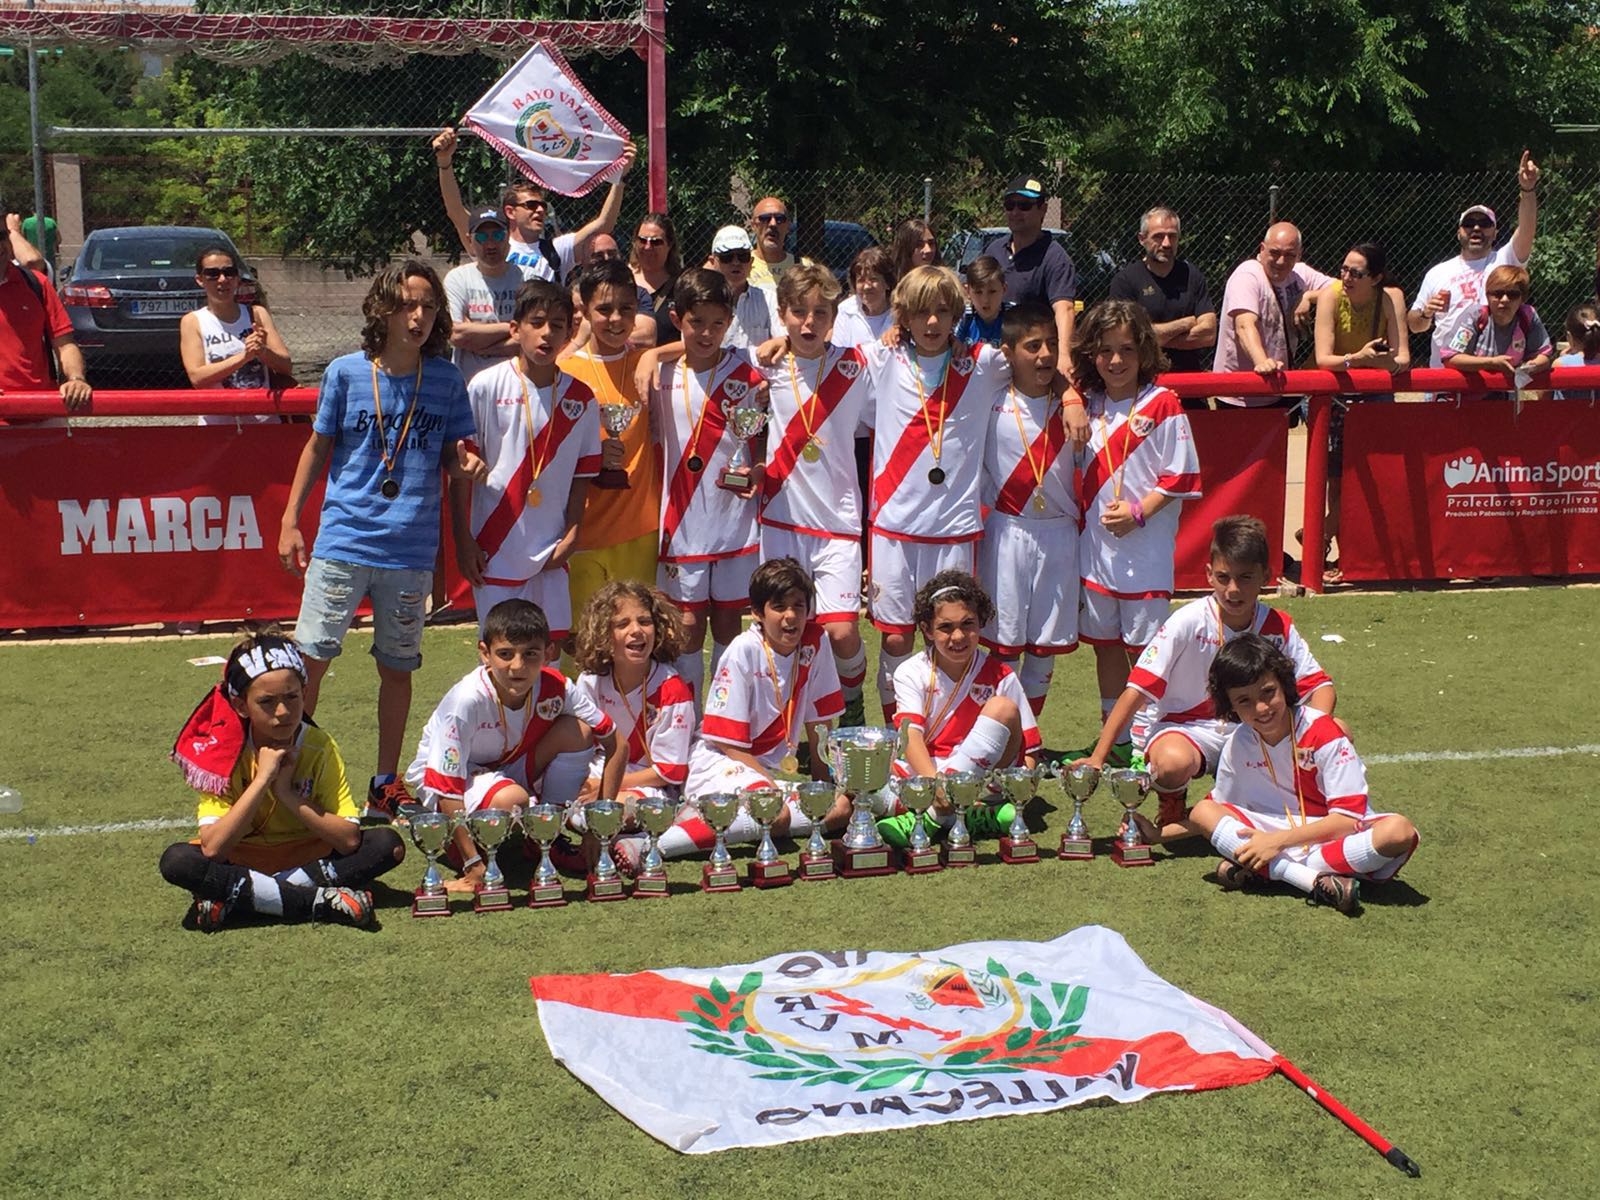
[(772, 218), (219, 272), (1477, 223), (488, 235), (1505, 294), (1018, 204), (530, 205), (649, 241), (734, 256)]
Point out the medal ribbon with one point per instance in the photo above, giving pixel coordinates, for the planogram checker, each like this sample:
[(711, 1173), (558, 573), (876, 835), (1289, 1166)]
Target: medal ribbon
[(1294, 770), (935, 434), (377, 406), (684, 482), (1052, 437), (536, 461), (785, 707), (929, 728), (641, 727), (908, 449)]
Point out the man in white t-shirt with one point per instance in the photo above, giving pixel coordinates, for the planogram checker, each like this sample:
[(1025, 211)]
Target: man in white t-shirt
[(481, 296), (1266, 300), (1452, 291)]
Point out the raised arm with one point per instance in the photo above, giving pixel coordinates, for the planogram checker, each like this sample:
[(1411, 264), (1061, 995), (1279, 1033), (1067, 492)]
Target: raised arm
[(1527, 207), (444, 155), (606, 220)]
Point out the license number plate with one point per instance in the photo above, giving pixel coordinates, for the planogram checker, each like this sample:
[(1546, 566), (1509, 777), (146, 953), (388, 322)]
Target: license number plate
[(160, 308)]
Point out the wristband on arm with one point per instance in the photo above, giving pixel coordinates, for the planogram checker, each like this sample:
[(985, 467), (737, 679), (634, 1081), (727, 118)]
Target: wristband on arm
[(1136, 507)]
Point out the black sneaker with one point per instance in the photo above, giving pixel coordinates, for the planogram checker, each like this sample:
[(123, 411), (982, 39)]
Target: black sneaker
[(208, 915), (1336, 891)]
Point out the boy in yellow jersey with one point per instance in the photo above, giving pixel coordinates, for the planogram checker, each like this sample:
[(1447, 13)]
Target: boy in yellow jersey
[(617, 538)]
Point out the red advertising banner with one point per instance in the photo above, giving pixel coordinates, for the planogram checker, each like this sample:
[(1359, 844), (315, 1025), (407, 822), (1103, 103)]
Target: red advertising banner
[(1244, 456), (1436, 491)]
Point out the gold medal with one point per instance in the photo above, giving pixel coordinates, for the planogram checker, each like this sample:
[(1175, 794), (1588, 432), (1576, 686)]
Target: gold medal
[(535, 497), (1038, 499), (789, 764), (811, 452)]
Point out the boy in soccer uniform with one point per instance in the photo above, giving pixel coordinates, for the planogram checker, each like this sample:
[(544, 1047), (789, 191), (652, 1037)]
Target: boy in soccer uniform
[(709, 536), (775, 687), (510, 733), (811, 513), (1028, 559), (540, 435), (1290, 801), (1174, 720)]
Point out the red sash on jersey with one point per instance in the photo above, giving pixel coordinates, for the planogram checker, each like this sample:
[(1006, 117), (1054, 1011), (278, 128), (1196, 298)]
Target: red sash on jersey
[(514, 499), (548, 698), (942, 742), (1159, 405), (914, 440), (684, 481), (830, 391), (772, 736), (1019, 486)]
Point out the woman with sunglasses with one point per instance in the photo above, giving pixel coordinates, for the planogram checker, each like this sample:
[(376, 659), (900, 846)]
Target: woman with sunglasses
[(656, 267), (229, 344)]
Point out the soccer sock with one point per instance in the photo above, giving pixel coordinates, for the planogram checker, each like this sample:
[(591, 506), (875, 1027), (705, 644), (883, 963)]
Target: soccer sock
[(982, 748), (691, 835), (887, 664), (1297, 874), (744, 829), (691, 665), (1037, 670), (799, 823), (1228, 837), (853, 672), (266, 896), (564, 777), (1356, 855)]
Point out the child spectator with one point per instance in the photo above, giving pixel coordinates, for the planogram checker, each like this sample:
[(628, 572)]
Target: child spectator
[(1507, 338), (1175, 724), (915, 245), (388, 417), (278, 831), (865, 313), (1140, 466), (482, 294), (1583, 346), (754, 305), (811, 509), (510, 733), (1028, 559), (226, 344), (985, 289), (1290, 801), (539, 434)]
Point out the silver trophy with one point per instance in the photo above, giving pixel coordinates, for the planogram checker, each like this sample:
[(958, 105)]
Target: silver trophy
[(768, 869), (603, 818), (430, 833), (746, 421), (918, 794), (1017, 785), (490, 827), (656, 815), (1079, 782), (720, 810), (963, 791), (1130, 788), (862, 758), (542, 823), (815, 800), (615, 419)]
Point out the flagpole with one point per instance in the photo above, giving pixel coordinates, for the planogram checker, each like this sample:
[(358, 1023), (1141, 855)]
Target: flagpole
[(1395, 1156)]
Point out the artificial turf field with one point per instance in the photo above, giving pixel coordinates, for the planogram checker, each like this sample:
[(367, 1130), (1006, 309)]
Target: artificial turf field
[(1457, 1013)]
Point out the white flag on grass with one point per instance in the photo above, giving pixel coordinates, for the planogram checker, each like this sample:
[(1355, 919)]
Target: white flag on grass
[(546, 123), (809, 1044)]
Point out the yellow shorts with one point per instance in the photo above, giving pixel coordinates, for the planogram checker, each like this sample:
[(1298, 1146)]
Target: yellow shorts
[(590, 570)]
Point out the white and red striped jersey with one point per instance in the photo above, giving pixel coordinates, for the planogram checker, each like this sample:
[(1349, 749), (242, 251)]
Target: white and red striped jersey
[(1135, 447), (1022, 458), (470, 732), (1173, 669), (945, 709), (1255, 777), (905, 502), (655, 720), (746, 702), (833, 403), (699, 520), (517, 536)]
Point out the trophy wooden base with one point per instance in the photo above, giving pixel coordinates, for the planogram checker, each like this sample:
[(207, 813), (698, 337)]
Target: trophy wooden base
[(605, 889), (770, 875), (546, 895), (817, 868), (612, 479), (650, 887), (424, 905), (720, 879), (960, 856), (922, 862), (859, 864), (1132, 856), (1024, 851), (492, 900), (734, 481), (1076, 849)]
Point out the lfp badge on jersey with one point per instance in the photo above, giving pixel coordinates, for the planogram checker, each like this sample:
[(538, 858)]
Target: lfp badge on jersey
[(542, 119)]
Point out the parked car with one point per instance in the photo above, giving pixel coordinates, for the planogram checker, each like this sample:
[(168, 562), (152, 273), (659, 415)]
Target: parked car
[(841, 242), (1094, 267), (126, 292)]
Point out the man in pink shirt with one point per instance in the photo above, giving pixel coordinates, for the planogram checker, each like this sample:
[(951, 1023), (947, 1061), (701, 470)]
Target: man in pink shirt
[(1266, 301)]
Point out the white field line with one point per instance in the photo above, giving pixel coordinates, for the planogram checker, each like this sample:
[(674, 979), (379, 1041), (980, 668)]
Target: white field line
[(1414, 756)]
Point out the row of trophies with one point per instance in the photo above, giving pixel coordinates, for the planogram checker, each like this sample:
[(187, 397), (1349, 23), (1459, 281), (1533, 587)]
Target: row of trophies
[(862, 760)]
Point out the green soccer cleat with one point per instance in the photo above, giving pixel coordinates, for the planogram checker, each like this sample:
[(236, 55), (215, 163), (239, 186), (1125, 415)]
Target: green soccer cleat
[(896, 830), (855, 712), (987, 820)]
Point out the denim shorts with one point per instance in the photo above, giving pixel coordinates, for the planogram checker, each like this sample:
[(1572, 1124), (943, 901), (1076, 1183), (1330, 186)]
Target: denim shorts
[(332, 592)]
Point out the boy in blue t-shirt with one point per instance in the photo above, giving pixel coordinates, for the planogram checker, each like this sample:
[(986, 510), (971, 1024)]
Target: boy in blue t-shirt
[(985, 286), (388, 418)]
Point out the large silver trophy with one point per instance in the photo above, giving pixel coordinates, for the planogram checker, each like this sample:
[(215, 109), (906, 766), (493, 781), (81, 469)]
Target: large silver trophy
[(963, 791), (1079, 782), (768, 869), (918, 794), (719, 810), (862, 758), (430, 833), (655, 816), (815, 799), (1130, 788), (603, 818), (615, 419), (542, 823), (490, 827), (746, 421), (1017, 785)]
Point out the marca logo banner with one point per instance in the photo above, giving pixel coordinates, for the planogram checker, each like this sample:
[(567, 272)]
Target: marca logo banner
[(811, 1044)]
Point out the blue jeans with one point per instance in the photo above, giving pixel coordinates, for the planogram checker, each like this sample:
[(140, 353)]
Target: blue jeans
[(332, 592)]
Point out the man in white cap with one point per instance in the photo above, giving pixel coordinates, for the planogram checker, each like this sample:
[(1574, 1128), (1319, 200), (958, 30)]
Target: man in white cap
[(755, 306), (1451, 294)]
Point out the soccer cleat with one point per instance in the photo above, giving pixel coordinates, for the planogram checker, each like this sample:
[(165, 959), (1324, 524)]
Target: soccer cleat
[(628, 853), (383, 802), (987, 820), (566, 856), (344, 906), (208, 915), (1124, 755), (896, 830), (1336, 891), (1235, 878), (855, 712)]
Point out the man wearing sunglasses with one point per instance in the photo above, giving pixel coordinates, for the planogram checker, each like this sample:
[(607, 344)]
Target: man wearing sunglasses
[(755, 306), (1037, 268), (770, 222), (482, 295), (1451, 295)]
